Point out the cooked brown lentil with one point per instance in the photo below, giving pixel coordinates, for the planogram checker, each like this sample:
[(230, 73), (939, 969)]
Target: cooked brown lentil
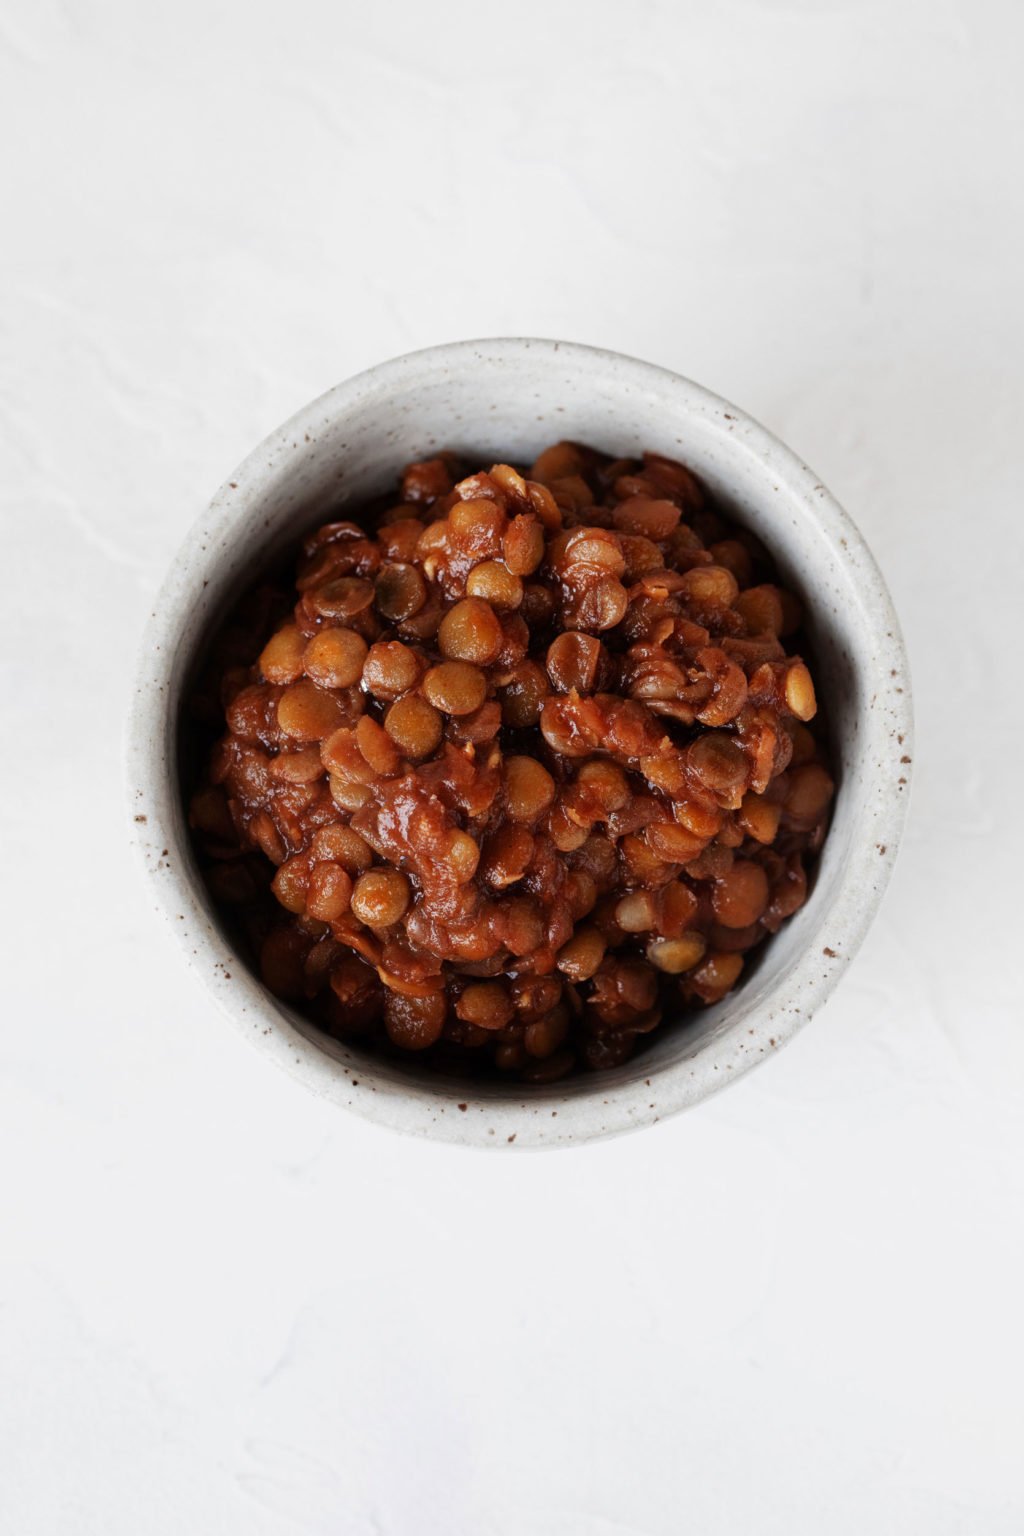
[(520, 763)]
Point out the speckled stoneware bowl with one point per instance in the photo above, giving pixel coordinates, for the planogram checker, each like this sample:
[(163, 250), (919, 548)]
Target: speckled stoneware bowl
[(506, 399)]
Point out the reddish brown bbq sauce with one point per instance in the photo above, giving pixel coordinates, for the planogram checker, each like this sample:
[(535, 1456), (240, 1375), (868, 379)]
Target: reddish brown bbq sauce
[(518, 770)]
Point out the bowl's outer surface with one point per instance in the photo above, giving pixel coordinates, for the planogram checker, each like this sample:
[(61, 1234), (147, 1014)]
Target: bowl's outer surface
[(507, 399)]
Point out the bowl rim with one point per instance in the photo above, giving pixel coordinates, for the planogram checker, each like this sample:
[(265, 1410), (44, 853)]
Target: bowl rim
[(549, 1117)]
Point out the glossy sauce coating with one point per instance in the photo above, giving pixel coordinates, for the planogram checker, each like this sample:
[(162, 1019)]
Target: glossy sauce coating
[(520, 768)]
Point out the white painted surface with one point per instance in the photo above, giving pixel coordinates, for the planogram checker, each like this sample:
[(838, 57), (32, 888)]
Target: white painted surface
[(225, 1307)]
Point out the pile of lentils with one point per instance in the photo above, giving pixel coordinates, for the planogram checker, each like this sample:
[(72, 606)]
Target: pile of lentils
[(520, 769)]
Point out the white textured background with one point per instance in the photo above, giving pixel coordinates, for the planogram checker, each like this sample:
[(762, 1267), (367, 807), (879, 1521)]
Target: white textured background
[(227, 1308)]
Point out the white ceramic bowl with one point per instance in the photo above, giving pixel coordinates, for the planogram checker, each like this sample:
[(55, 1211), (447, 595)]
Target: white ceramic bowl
[(498, 400)]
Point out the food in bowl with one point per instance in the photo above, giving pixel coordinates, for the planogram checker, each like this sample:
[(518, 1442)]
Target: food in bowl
[(517, 768)]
